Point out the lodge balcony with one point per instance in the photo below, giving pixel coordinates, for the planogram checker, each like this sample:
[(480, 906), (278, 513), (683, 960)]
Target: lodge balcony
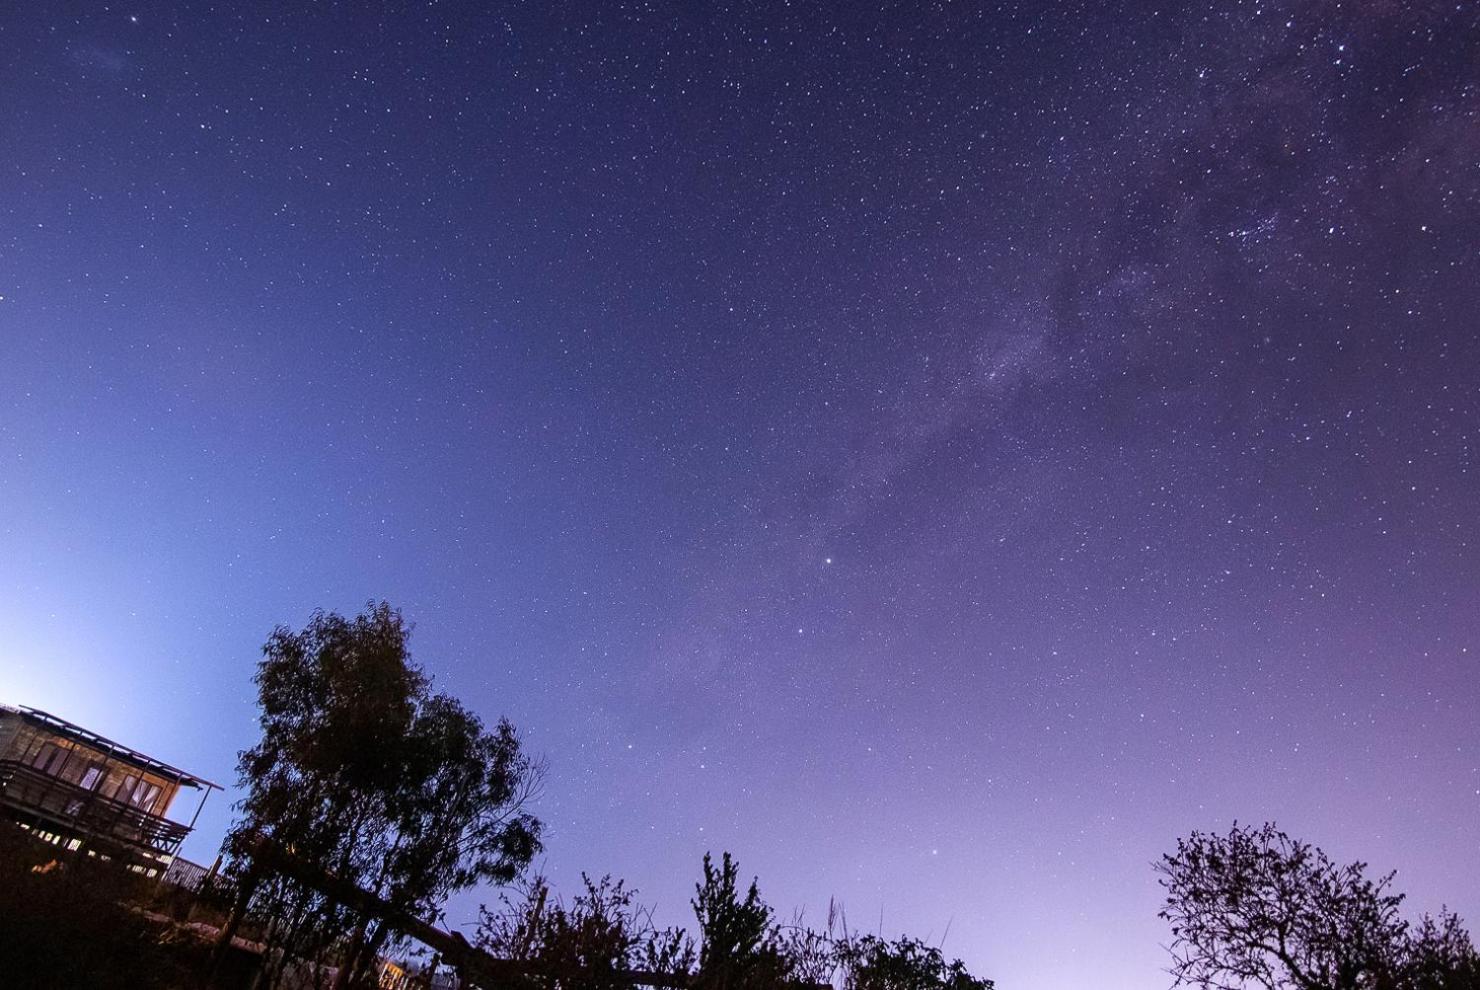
[(70, 811)]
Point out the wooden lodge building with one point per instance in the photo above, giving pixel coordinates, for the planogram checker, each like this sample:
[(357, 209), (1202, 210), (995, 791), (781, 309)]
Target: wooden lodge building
[(78, 790)]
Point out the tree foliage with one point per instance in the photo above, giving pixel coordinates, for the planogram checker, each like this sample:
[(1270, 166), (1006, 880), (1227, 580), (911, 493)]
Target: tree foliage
[(365, 772), (1256, 908)]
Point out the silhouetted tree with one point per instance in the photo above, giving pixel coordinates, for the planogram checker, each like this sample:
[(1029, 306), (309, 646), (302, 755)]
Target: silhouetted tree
[(1256, 908), (364, 772), (739, 944), (1440, 956)]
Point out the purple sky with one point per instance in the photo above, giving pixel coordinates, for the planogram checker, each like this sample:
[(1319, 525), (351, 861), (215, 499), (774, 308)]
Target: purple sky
[(939, 453)]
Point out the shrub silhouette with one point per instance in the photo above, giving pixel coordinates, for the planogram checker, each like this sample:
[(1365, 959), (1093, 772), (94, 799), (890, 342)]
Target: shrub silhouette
[(871, 963), (596, 943), (603, 940)]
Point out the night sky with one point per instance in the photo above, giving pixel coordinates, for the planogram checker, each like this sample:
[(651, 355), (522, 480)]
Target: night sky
[(939, 453)]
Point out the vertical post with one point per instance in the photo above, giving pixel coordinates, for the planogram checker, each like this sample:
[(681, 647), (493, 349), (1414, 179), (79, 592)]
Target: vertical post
[(205, 793), (114, 825), (71, 748), (27, 771), (85, 801), (37, 738), (52, 780)]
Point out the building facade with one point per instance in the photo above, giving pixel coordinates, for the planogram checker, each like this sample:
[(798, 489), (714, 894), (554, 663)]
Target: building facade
[(75, 788)]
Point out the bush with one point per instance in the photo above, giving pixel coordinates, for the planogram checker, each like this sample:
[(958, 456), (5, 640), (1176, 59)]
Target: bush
[(594, 944)]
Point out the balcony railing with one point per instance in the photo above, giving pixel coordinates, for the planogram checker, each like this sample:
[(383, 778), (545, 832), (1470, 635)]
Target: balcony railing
[(65, 806)]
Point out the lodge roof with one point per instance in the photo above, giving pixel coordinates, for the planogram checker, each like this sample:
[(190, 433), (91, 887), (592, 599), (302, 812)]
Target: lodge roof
[(87, 737)]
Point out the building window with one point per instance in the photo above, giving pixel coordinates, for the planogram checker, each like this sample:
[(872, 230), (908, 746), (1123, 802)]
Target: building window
[(125, 789), (144, 796), (50, 759)]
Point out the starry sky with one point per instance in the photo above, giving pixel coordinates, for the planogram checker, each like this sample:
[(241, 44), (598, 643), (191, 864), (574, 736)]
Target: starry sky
[(938, 452)]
